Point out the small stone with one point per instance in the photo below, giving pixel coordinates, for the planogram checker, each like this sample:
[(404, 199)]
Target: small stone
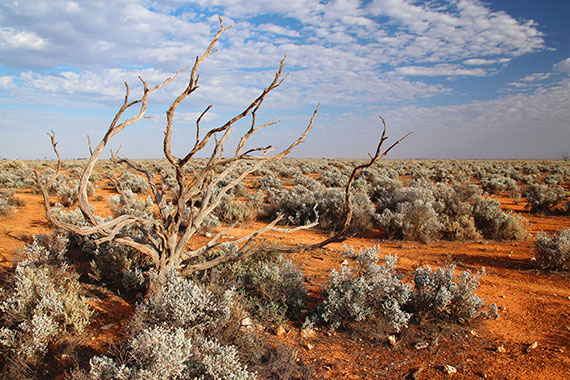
[(532, 346), (533, 259), (107, 327), (392, 340), (307, 333), (309, 346), (473, 332), (421, 345), (280, 331), (449, 369), (208, 234), (247, 325), (501, 349)]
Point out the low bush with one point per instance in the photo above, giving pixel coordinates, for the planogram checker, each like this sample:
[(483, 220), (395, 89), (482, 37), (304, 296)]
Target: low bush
[(498, 184), (544, 198), (39, 306), (16, 174), (553, 251), (298, 203), (270, 288), (133, 182), (8, 201), (441, 295), (372, 294), (129, 203), (368, 292), (168, 354), (416, 220), (169, 336), (232, 210), (495, 224)]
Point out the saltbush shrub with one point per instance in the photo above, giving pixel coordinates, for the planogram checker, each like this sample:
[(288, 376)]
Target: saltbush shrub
[(232, 210), (495, 224), (8, 201), (367, 291), (553, 251), (180, 302), (442, 295), (168, 336), (416, 220), (373, 294), (544, 198), (40, 304), (270, 288), (298, 203), (133, 182), (498, 184), (160, 353), (129, 203), (16, 174)]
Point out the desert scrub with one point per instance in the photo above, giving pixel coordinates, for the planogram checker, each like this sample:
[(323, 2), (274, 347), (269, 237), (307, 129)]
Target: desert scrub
[(270, 181), (494, 224), (120, 268), (8, 201), (129, 203), (269, 287), (366, 292), (298, 206), (232, 210), (369, 293), (133, 182), (442, 295), (544, 199), (553, 251), (498, 184), (16, 174), (415, 220), (170, 339), (168, 354), (179, 302), (40, 304), (65, 187)]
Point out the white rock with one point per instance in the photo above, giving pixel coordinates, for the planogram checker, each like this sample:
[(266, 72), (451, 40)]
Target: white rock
[(449, 369), (307, 333), (421, 345)]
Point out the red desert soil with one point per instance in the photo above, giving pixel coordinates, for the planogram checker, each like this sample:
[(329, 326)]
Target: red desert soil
[(534, 306)]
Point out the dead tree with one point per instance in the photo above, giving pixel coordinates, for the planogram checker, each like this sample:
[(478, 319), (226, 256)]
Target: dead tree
[(167, 235)]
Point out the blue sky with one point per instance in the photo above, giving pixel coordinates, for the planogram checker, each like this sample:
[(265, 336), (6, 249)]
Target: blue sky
[(473, 79)]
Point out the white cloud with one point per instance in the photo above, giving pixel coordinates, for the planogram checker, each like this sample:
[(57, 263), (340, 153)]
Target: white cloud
[(12, 39), (7, 82), (464, 29), (440, 70), (563, 67), (485, 62), (536, 77), (276, 29)]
